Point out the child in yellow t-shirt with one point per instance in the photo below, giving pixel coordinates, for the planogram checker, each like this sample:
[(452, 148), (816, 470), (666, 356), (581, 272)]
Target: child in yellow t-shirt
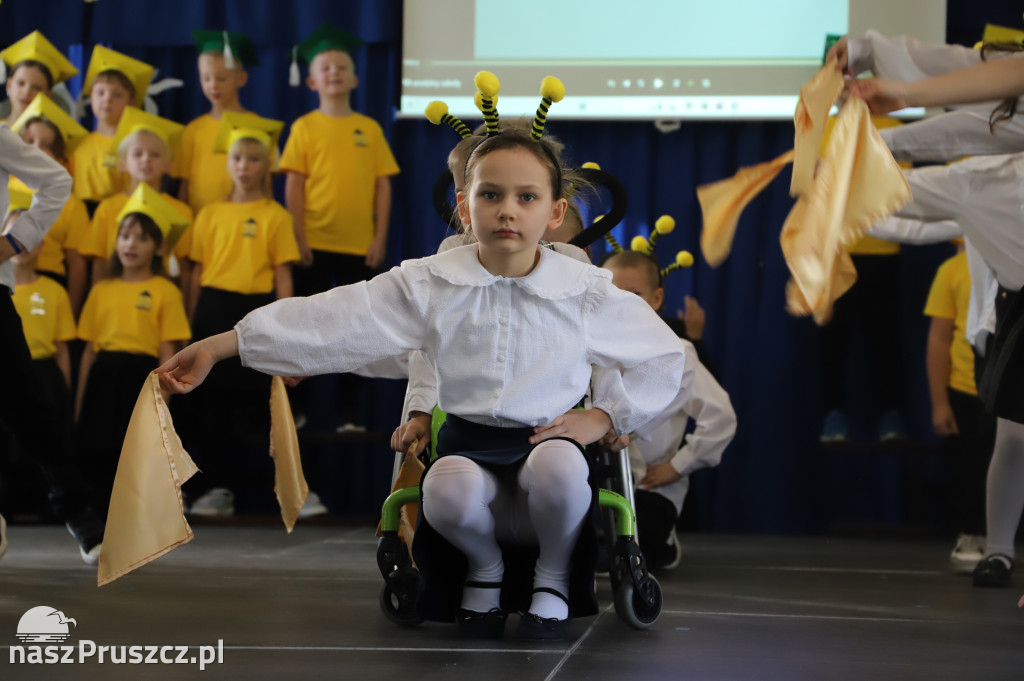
[(243, 249), (45, 126), (144, 146), (132, 321), (338, 164), (204, 175), (957, 412), (113, 81), (35, 67)]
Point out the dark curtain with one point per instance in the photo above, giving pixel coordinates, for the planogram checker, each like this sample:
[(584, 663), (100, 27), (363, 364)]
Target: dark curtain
[(774, 477)]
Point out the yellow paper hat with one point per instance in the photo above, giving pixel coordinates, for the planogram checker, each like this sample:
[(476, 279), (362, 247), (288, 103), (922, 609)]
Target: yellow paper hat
[(44, 107), (148, 201), (19, 199), (105, 59), (36, 47), (235, 126), (133, 120)]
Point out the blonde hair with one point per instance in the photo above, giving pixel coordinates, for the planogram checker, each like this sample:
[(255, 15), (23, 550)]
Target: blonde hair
[(122, 148)]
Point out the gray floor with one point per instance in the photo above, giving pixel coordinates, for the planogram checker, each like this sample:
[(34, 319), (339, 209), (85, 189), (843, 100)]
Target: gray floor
[(304, 606)]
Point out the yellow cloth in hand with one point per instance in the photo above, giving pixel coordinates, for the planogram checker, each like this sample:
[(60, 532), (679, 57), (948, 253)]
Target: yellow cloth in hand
[(816, 98), (722, 202), (289, 481), (858, 183), (146, 518)]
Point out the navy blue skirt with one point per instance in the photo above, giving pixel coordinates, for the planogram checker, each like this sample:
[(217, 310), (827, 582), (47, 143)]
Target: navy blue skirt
[(443, 567)]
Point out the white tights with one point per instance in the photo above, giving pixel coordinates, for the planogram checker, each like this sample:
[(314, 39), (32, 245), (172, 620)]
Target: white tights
[(1005, 493), (545, 507)]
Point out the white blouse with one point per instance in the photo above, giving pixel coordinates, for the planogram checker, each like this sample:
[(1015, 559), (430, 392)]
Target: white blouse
[(508, 351), (701, 398), (40, 172)]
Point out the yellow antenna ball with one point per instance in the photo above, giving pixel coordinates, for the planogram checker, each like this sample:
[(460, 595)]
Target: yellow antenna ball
[(664, 224), (684, 259), (639, 243), (487, 83), (552, 88), (478, 101), (435, 111), (591, 165)]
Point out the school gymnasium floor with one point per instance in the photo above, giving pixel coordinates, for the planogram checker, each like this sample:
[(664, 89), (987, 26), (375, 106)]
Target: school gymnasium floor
[(304, 606)]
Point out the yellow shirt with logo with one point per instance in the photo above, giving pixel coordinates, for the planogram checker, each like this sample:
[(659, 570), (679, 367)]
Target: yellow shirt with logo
[(341, 159), (45, 311), (94, 180), (100, 239), (65, 234), (948, 299), (206, 172), (240, 244), (123, 316)]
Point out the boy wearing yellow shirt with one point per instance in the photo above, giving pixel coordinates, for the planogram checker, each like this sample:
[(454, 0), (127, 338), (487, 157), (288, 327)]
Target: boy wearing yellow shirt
[(338, 165), (203, 173), (957, 412), (112, 81)]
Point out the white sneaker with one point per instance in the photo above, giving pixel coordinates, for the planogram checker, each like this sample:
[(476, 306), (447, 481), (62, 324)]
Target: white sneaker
[(312, 507), (3, 536), (350, 428), (673, 541), (969, 551), (217, 503)]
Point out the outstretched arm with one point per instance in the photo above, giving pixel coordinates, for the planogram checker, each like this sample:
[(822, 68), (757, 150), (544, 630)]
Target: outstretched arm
[(186, 370)]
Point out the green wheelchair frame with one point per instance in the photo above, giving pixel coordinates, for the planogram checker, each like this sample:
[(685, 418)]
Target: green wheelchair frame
[(638, 598)]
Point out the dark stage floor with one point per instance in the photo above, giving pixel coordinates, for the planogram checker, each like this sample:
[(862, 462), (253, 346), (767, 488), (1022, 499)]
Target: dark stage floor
[(305, 607)]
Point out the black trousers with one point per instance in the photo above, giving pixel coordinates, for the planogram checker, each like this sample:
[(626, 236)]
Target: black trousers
[(870, 305), (41, 430), (327, 271), (655, 517), (969, 454)]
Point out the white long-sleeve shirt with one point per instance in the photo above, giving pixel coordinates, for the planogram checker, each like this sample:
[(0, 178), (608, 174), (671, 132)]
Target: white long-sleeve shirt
[(508, 351), (701, 398), (947, 136), (981, 305), (40, 172), (985, 196)]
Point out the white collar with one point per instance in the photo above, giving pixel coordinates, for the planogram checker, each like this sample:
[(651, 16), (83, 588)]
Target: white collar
[(555, 277)]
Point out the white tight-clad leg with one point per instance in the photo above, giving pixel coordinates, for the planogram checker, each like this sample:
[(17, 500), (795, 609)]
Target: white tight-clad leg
[(457, 494), (1005, 493), (554, 479)]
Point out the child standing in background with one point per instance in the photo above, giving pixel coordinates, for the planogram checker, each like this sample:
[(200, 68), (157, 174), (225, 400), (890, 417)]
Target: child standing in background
[(112, 82), (143, 146), (35, 67), (204, 174), (132, 322), (338, 190), (45, 126), (243, 249)]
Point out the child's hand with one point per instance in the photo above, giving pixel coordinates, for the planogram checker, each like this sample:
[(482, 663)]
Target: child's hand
[(881, 96), (416, 429), (840, 51), (659, 475), (375, 254), (693, 317), (583, 425), (306, 254), (292, 381), (183, 372), (613, 442), (943, 420)]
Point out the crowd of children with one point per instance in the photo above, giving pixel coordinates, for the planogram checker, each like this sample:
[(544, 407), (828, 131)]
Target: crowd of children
[(147, 280)]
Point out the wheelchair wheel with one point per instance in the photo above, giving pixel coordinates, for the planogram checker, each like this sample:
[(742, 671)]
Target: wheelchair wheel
[(397, 609), (639, 606)]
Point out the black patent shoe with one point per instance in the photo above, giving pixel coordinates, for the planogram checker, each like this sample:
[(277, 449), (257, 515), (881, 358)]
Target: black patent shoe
[(481, 625), (535, 628), (994, 571)]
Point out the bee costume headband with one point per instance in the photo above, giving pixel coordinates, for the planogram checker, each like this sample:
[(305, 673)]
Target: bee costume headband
[(663, 225)]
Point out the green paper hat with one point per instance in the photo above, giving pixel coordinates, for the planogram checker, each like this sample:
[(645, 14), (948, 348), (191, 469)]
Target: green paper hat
[(327, 37), (236, 45)]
